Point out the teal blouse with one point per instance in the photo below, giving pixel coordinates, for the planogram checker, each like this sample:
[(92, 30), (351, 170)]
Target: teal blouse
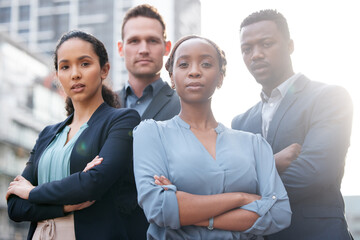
[(54, 163)]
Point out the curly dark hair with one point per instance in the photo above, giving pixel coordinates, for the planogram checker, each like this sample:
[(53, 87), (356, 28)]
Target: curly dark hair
[(108, 95), (268, 15), (221, 54)]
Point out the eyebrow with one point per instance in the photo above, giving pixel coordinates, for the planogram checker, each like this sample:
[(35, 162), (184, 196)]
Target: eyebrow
[(201, 56), (79, 58)]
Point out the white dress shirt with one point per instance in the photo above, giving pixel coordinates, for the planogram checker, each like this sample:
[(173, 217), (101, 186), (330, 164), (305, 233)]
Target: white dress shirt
[(271, 104)]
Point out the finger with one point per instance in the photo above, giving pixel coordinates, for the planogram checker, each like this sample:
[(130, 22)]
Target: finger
[(165, 180), (18, 178), (8, 193)]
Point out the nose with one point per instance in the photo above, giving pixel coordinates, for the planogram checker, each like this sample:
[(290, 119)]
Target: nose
[(144, 48), (257, 53), (75, 75), (194, 71)]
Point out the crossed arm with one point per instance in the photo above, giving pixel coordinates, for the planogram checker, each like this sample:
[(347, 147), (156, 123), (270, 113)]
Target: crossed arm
[(197, 209), (22, 187)]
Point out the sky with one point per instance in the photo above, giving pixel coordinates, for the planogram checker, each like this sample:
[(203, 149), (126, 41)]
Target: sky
[(327, 49)]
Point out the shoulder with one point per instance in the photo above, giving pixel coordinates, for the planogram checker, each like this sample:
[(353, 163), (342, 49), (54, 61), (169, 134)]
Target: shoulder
[(52, 129), (126, 117), (152, 126), (328, 93), (242, 135), (244, 116)]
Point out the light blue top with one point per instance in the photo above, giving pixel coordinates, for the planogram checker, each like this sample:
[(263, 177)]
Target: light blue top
[(54, 162), (244, 163)]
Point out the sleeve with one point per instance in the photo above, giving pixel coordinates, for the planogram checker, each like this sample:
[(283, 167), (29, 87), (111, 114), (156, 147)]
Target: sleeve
[(273, 207), (93, 184), (22, 210), (321, 161), (160, 206)]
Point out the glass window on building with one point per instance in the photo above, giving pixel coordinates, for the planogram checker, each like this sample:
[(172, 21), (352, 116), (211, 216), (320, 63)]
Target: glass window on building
[(24, 13), (5, 14), (45, 3), (46, 23), (62, 3), (62, 25), (87, 7)]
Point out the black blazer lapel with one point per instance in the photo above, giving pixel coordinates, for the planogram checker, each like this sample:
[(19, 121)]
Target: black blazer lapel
[(285, 104), (158, 102)]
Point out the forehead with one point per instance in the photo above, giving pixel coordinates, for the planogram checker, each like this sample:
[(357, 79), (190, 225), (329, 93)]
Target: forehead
[(75, 46), (196, 47), (259, 31), (141, 27)]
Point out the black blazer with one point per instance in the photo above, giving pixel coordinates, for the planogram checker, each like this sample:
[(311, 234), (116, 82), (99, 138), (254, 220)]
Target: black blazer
[(318, 117), (111, 184), (164, 105)]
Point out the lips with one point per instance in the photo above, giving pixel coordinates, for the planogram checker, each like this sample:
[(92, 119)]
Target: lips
[(194, 86), (259, 66), (78, 87), (143, 60)]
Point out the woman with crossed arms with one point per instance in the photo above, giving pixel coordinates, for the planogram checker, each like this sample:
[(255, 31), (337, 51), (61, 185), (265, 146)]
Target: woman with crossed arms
[(62, 192), (197, 179)]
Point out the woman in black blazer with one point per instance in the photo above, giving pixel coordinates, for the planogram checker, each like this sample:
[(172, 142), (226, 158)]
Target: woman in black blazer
[(97, 201)]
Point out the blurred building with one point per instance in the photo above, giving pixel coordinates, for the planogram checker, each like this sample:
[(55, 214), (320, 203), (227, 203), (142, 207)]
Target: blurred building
[(352, 213), (40, 23), (28, 102)]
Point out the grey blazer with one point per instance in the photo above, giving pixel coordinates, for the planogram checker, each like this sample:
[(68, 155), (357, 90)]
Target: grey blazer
[(165, 104), (318, 117)]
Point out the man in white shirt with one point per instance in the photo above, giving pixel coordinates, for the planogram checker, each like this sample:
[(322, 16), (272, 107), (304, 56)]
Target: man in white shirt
[(307, 124)]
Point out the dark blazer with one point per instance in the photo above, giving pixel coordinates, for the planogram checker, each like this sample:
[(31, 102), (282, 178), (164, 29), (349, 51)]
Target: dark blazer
[(164, 105), (111, 184), (318, 117)]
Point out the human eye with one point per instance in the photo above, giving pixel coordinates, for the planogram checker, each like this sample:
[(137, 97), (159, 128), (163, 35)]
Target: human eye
[(64, 67), (133, 41), (246, 50), (153, 41), (183, 64), (206, 64), (268, 44), (85, 64)]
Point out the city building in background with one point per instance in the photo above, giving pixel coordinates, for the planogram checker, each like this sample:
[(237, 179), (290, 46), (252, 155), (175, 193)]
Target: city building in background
[(38, 24), (28, 102), (29, 99)]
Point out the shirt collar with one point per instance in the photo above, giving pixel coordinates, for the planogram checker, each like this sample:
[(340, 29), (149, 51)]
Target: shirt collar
[(154, 87), (280, 90)]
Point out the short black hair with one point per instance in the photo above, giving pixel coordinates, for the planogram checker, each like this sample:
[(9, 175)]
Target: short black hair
[(268, 15)]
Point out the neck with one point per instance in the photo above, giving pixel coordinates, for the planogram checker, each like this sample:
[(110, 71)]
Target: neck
[(138, 84), (267, 89), (198, 116), (83, 111)]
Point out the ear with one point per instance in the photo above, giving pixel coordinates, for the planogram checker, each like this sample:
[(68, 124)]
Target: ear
[(167, 48), (105, 70), (121, 48), (172, 82), (291, 46)]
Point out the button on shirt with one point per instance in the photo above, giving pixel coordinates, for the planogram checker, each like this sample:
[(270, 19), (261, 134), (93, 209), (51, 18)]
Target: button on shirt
[(140, 104), (272, 103)]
